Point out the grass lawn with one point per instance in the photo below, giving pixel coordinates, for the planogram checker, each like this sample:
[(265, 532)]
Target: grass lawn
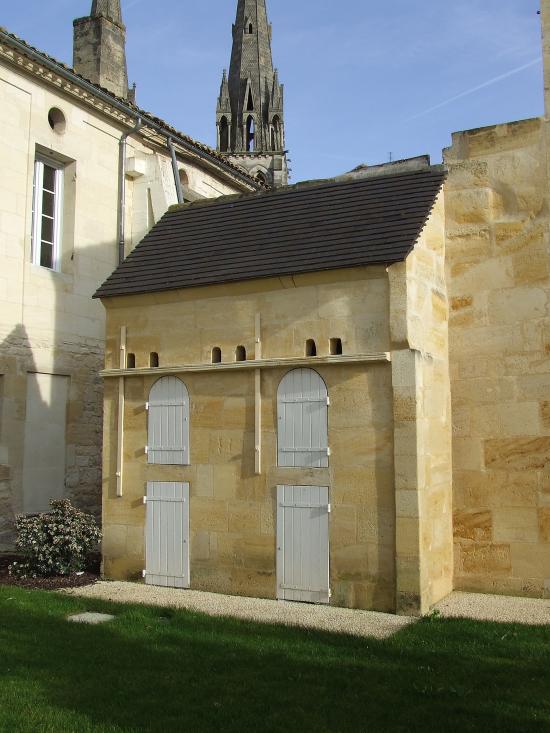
[(154, 669)]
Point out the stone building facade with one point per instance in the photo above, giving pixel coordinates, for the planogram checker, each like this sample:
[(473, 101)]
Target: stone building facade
[(68, 211), (250, 110), (499, 285)]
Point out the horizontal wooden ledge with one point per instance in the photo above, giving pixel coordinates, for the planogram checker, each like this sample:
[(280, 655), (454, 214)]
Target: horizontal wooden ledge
[(311, 361)]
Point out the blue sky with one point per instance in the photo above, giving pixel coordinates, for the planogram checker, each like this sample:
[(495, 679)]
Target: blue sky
[(362, 78)]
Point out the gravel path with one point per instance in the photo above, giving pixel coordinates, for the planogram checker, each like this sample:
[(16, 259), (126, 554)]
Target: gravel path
[(323, 618), (504, 609)]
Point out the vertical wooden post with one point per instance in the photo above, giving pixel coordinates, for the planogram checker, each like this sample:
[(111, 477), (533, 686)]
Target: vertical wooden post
[(258, 396), (120, 439)]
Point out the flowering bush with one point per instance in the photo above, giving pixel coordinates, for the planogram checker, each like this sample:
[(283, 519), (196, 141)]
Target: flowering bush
[(55, 543)]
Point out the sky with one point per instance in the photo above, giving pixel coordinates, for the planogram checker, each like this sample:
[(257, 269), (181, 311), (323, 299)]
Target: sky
[(364, 80)]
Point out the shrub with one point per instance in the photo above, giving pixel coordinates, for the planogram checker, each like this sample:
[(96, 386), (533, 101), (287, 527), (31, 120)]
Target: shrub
[(56, 542)]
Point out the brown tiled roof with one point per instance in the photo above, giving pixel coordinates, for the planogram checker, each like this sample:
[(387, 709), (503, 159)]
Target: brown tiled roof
[(200, 147), (304, 228)]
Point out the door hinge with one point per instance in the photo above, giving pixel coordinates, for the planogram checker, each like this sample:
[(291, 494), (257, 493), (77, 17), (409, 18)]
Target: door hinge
[(145, 500), (147, 406), (143, 573), (328, 400), (146, 450), (329, 508), (329, 452)]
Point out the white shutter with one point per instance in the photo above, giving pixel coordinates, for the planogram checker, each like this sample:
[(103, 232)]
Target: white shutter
[(302, 406), (168, 433), (167, 535), (303, 544)]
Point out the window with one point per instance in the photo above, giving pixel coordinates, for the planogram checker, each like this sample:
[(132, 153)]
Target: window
[(250, 28), (56, 120), (224, 135), (153, 360), (184, 178), (302, 420), (250, 102), (47, 213), (45, 444), (335, 347), (168, 423), (250, 134), (311, 348), (131, 361), (276, 134), (216, 355), (240, 353)]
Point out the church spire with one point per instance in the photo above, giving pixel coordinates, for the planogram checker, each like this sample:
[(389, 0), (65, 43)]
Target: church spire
[(99, 50), (250, 107)]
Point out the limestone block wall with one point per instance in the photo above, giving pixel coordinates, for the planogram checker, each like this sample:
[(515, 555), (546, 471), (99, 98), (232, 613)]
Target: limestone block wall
[(422, 421), (233, 510), (49, 323), (499, 284)]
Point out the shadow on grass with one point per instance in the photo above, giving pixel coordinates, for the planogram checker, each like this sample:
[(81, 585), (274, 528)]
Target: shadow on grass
[(158, 670)]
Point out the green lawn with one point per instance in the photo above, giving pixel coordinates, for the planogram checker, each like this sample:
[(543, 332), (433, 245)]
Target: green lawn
[(162, 670)]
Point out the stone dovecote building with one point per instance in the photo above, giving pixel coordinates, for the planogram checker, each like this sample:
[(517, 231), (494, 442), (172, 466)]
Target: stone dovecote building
[(85, 175), (250, 110), (289, 368)]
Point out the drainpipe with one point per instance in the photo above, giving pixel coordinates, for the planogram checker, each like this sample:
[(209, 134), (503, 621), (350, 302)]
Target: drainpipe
[(175, 171), (122, 188)]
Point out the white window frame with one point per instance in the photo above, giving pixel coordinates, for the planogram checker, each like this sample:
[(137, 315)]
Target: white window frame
[(38, 198)]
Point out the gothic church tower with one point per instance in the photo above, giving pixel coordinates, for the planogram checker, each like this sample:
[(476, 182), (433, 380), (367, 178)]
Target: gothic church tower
[(99, 49), (250, 114)]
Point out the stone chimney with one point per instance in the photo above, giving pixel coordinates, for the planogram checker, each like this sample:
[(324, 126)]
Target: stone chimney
[(99, 48)]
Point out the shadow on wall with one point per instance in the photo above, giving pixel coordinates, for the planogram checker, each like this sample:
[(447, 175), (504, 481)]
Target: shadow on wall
[(14, 350), (51, 393)]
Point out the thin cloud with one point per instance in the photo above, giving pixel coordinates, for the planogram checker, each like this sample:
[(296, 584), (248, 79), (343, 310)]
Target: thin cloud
[(490, 82)]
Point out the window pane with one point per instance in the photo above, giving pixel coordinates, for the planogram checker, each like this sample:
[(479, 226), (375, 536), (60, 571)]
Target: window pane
[(47, 229), (46, 255), (49, 178), (48, 203)]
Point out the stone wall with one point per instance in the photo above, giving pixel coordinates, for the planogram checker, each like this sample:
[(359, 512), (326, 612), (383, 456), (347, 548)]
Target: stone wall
[(233, 511), (422, 420), (499, 285)]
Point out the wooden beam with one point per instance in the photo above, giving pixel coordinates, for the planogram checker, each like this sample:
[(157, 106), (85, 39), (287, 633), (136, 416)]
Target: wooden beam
[(258, 395), (120, 417), (315, 361)]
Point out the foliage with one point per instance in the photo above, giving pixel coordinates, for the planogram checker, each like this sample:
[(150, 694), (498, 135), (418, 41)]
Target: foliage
[(56, 542)]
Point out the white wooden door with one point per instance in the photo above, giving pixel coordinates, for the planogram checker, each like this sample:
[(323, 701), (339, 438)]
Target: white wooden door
[(167, 535), (302, 425), (303, 544), (168, 424)]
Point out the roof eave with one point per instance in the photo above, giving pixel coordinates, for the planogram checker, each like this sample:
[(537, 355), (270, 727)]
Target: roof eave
[(132, 112)]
